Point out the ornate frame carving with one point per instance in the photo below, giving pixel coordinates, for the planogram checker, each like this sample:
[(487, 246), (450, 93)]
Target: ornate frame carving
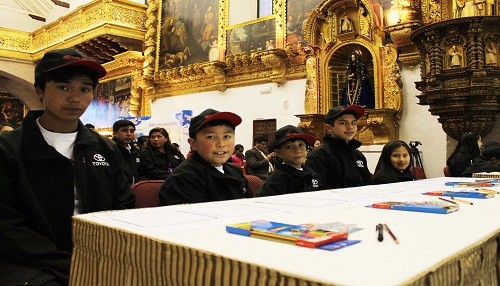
[(329, 42)]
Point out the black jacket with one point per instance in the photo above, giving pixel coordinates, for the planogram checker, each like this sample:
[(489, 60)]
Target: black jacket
[(458, 164), (257, 164), (37, 196), (286, 180), (196, 181), (130, 161), (392, 175), (480, 164), (155, 165), (339, 164)]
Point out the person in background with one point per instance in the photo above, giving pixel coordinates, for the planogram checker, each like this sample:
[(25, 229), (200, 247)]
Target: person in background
[(52, 168), (488, 144), (337, 161), (123, 135), (290, 145), (160, 159), (259, 161), (238, 157), (317, 142), (468, 149), (6, 127), (206, 176), (143, 142), (394, 164), (489, 161)]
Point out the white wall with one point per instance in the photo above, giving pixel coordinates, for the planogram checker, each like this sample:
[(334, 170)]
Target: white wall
[(281, 103), (241, 11), (417, 124)]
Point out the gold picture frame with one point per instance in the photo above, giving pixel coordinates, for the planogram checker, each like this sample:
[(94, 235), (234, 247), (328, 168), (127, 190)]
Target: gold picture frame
[(255, 35)]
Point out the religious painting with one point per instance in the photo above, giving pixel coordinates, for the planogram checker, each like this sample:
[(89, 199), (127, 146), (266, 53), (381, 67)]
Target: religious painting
[(111, 101), (296, 14), (188, 32), (252, 36), (11, 109)]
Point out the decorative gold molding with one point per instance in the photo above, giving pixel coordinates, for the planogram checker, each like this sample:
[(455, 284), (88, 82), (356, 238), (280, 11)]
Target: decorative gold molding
[(128, 63), (15, 44), (192, 78), (327, 58), (117, 17)]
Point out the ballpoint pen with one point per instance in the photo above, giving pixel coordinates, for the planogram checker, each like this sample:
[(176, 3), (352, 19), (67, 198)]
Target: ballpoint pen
[(380, 229)]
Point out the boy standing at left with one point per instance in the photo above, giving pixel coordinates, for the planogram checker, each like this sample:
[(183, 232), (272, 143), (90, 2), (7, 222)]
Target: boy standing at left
[(51, 168)]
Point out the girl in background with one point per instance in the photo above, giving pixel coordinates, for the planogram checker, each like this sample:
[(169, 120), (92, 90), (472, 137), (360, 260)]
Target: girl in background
[(394, 164), (238, 157), (468, 149)]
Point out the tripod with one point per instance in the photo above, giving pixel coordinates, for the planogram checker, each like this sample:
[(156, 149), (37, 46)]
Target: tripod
[(415, 154), (417, 166)]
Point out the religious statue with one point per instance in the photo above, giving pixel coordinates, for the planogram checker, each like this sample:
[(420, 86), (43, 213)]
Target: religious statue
[(455, 57), (364, 21), (357, 88), (346, 25), (460, 7), (491, 54), (480, 5)]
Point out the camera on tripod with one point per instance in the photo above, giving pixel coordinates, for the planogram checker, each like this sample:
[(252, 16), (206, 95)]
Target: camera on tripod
[(414, 144)]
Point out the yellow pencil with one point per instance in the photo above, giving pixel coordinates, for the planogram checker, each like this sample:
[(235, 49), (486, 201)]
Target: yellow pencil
[(461, 201), (488, 191)]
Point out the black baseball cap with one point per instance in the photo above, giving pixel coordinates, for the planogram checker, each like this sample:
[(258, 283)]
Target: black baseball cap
[(210, 115), (57, 59), (356, 110), (290, 132)]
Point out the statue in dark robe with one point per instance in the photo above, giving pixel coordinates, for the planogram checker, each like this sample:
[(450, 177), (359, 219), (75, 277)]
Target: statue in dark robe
[(357, 88)]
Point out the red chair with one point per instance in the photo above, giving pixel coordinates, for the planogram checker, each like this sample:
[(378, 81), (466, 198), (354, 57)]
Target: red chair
[(146, 193), (255, 183), (446, 171), (418, 173)]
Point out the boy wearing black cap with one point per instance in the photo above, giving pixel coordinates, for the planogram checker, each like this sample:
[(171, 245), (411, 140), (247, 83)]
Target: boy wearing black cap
[(206, 176), (123, 135), (290, 145), (337, 161), (52, 168)]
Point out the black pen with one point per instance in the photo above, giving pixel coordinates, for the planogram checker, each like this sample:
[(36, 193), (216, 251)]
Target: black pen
[(380, 229)]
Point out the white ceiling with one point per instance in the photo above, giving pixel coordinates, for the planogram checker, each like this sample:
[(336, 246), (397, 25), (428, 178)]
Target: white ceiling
[(15, 14)]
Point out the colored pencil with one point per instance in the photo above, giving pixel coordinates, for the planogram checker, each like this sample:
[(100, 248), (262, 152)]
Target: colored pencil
[(391, 234), (452, 202), (461, 201)]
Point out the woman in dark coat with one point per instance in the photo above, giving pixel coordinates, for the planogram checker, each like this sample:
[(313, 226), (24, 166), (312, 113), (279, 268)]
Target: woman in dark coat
[(160, 158)]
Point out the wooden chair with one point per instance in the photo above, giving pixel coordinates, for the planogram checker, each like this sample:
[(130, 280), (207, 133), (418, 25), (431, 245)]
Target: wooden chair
[(146, 193), (255, 183)]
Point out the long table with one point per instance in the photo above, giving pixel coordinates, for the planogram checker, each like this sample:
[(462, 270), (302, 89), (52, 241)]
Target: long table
[(188, 244)]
